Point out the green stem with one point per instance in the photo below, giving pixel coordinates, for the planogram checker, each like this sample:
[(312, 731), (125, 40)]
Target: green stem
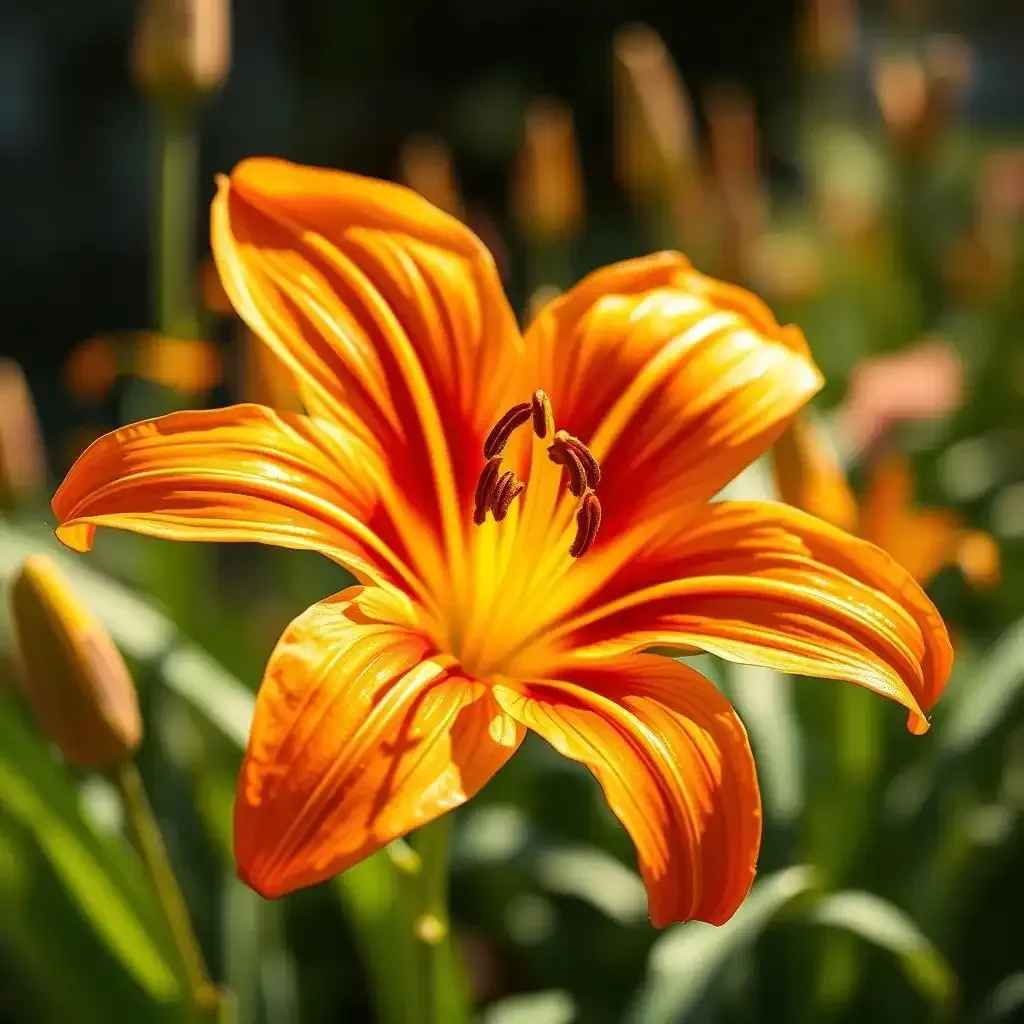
[(379, 895), (174, 255), (206, 1003), (432, 926)]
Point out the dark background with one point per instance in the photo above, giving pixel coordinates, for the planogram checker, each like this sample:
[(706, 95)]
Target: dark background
[(319, 81), (344, 84)]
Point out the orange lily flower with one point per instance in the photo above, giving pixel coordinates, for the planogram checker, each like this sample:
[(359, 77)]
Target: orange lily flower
[(922, 540), (510, 571)]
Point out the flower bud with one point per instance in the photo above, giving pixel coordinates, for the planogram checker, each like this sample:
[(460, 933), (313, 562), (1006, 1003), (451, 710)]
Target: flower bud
[(426, 166), (74, 677), (182, 48), (186, 364), (828, 33), (92, 368), (919, 95), (732, 137), (808, 476), (979, 559), (654, 135), (22, 458), (548, 184)]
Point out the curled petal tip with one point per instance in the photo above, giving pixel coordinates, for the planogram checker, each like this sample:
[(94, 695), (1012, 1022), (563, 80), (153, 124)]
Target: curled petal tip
[(77, 536), (261, 886), (918, 724)]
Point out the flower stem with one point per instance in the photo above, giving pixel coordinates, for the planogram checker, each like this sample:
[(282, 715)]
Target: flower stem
[(174, 237), (446, 998), (207, 1004)]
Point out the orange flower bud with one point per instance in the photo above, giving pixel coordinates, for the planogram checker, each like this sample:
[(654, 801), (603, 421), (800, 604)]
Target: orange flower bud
[(732, 136), (828, 33), (426, 166), (187, 364), (919, 96), (22, 459), (979, 559), (182, 48), (548, 184), (74, 677), (653, 116), (92, 368)]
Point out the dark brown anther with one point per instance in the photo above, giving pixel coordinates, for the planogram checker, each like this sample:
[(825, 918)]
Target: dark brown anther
[(543, 418), (563, 455), (506, 490), (485, 490), (588, 521), (584, 454), (502, 430), (498, 491)]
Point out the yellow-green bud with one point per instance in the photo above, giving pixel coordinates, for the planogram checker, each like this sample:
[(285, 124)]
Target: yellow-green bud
[(182, 48), (74, 677)]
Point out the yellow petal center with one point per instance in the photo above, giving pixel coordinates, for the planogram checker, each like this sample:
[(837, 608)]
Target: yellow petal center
[(536, 514)]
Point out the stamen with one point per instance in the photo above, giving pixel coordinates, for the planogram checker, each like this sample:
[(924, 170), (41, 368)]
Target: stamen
[(485, 490), (502, 430), (563, 455), (496, 491), (588, 521), (508, 487), (543, 417), (584, 454)]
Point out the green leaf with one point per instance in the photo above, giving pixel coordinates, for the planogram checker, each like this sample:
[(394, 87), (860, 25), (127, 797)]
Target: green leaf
[(222, 699), (99, 877), (595, 877), (688, 959), (764, 701), (1006, 1001), (499, 834), (990, 696), (884, 925), (374, 894), (555, 1007)]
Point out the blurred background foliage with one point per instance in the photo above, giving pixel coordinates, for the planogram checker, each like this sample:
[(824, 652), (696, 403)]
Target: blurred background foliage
[(858, 165)]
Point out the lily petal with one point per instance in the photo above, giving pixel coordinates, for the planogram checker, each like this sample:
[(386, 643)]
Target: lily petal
[(923, 541), (675, 381), (381, 306), (243, 473), (360, 735), (808, 475), (675, 766), (767, 584)]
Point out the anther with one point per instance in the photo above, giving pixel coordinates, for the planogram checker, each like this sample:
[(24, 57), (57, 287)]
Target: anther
[(563, 455), (588, 521), (485, 490), (584, 454), (507, 488), (502, 430), (543, 418)]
